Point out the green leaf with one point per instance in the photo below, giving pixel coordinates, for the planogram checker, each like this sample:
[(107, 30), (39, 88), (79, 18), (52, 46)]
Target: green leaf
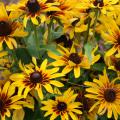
[(98, 67), (88, 50), (23, 55), (50, 47), (54, 33)]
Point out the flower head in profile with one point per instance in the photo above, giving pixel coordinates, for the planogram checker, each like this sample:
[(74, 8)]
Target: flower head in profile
[(106, 94), (113, 63), (35, 78), (9, 29), (86, 105), (72, 60), (63, 106), (33, 9), (8, 100), (4, 76), (105, 6), (111, 35)]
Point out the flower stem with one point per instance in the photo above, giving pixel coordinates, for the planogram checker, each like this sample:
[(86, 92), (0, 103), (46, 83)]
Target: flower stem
[(36, 40), (74, 84), (95, 22), (88, 29)]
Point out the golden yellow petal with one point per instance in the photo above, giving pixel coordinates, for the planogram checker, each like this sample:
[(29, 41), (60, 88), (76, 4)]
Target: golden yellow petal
[(9, 43), (3, 12), (34, 20), (5, 88), (8, 114), (56, 83), (93, 107), (109, 112), (40, 93), (26, 91), (77, 72), (66, 116), (53, 56), (25, 21), (111, 51), (49, 88), (66, 69), (53, 70), (17, 76), (15, 106), (77, 111), (56, 75), (53, 116), (48, 113), (73, 116), (18, 114), (44, 65)]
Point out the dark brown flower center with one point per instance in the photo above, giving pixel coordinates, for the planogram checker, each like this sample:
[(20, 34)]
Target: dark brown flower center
[(33, 6), (98, 2), (36, 77), (1, 105), (50, 13), (117, 65), (118, 39), (109, 95), (74, 57), (5, 28), (61, 106)]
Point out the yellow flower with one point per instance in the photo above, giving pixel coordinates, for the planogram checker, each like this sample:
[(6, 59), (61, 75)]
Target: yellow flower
[(111, 35), (113, 63), (63, 106), (33, 9), (105, 6), (8, 100), (106, 94), (67, 9), (72, 60), (73, 25), (35, 78), (9, 29), (4, 76), (86, 105), (3, 60)]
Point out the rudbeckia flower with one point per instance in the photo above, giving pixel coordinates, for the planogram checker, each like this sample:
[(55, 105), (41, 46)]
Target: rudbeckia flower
[(86, 105), (105, 6), (3, 60), (111, 35), (67, 9), (35, 78), (63, 106), (113, 63), (72, 60), (4, 76), (9, 29), (8, 100), (106, 93), (33, 9), (74, 25)]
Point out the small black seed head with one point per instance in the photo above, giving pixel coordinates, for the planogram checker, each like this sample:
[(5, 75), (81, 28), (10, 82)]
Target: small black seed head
[(36, 77), (110, 95), (98, 2), (33, 6), (5, 28), (74, 57), (61, 106)]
